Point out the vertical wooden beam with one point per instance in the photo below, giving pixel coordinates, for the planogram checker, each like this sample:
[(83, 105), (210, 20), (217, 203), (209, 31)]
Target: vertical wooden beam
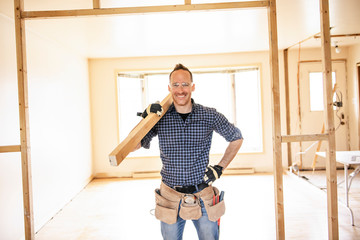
[(233, 97), (96, 4), (187, 2), (287, 103), (277, 159), (332, 207), (24, 120)]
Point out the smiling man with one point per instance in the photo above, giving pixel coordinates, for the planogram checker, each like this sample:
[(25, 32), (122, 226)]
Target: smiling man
[(185, 134)]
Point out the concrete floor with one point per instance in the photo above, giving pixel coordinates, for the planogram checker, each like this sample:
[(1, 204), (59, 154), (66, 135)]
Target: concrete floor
[(120, 209)]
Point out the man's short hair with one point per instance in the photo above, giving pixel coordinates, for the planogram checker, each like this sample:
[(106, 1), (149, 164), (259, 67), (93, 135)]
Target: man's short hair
[(179, 66)]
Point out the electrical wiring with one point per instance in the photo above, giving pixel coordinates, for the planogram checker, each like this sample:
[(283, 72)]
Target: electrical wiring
[(338, 104)]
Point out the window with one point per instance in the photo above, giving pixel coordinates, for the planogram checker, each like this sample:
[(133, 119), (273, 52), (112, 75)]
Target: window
[(317, 90), (236, 93)]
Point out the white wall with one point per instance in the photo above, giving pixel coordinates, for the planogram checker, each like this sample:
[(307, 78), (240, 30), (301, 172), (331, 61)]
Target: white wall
[(104, 108), (59, 128)]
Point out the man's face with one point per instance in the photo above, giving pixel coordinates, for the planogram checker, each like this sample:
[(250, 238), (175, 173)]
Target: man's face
[(181, 88)]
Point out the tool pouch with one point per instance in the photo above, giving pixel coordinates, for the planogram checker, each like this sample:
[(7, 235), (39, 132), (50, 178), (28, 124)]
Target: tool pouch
[(214, 208), (165, 210), (190, 210)]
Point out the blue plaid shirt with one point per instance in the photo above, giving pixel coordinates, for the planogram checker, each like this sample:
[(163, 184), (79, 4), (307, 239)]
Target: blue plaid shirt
[(185, 146)]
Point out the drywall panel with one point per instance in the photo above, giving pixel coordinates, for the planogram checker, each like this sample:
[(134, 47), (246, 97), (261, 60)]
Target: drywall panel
[(59, 128)]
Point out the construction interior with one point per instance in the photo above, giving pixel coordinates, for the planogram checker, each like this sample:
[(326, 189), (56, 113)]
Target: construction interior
[(62, 113)]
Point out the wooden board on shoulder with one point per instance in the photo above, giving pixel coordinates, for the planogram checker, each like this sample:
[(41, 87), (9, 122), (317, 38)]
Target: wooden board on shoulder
[(138, 133)]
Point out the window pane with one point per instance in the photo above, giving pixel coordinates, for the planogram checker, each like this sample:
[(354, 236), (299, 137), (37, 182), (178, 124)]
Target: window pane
[(157, 87), (317, 91), (129, 91), (248, 109)]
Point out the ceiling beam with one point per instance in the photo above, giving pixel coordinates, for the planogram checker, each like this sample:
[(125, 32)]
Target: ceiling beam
[(142, 10)]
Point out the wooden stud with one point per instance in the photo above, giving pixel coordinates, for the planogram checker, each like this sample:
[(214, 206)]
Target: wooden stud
[(331, 189), (138, 133), (24, 120), (12, 148), (277, 158), (141, 10), (341, 35), (96, 4), (303, 137), (299, 104), (287, 104), (187, 2)]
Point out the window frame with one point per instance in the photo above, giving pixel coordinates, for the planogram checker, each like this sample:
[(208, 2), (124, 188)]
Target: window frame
[(228, 70)]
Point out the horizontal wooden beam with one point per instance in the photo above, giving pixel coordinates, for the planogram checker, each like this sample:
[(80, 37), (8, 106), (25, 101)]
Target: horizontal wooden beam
[(341, 35), (12, 148), (304, 137), (141, 10), (138, 133)]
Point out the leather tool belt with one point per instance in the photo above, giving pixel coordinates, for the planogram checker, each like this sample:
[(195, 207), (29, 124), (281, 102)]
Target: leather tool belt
[(169, 201), (191, 189)]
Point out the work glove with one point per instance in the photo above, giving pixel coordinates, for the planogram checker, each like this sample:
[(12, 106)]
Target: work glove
[(154, 108), (212, 173)]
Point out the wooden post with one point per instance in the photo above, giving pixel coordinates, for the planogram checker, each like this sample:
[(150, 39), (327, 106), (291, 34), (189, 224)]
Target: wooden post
[(332, 207), (135, 136), (277, 159), (96, 4), (24, 119), (287, 103)]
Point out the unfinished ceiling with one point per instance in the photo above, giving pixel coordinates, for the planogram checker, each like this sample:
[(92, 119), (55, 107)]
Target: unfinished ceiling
[(189, 32)]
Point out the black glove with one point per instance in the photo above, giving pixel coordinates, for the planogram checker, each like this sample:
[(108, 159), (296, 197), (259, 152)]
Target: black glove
[(212, 173), (154, 108)]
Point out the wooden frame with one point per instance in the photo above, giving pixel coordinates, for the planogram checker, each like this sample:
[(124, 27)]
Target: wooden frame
[(21, 16)]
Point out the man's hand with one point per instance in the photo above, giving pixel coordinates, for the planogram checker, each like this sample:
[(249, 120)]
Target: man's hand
[(212, 173), (154, 108)]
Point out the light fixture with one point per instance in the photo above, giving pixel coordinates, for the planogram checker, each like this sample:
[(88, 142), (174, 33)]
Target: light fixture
[(337, 49)]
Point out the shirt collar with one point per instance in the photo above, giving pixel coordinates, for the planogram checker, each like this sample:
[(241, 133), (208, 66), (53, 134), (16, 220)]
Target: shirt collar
[(194, 106)]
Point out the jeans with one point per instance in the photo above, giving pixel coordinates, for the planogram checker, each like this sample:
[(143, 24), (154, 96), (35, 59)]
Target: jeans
[(206, 229)]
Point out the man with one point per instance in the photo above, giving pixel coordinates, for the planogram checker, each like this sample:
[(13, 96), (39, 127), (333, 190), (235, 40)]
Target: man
[(185, 135)]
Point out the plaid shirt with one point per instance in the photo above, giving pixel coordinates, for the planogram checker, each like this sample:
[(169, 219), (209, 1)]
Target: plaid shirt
[(185, 146)]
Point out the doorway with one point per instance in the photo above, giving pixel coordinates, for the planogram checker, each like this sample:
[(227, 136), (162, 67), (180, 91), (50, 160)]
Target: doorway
[(312, 110)]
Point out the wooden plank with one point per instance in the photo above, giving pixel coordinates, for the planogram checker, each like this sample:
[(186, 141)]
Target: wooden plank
[(287, 104), (331, 188), (138, 133), (341, 35), (141, 10), (304, 137), (96, 4), (24, 120), (12, 148), (187, 2), (276, 120)]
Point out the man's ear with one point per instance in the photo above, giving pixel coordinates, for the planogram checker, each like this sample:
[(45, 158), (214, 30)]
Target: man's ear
[(169, 88), (193, 87)]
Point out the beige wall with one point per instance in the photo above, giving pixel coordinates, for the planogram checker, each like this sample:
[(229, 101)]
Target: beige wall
[(59, 128), (104, 108)]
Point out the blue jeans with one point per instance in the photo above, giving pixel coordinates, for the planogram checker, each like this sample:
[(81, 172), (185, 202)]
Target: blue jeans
[(206, 229)]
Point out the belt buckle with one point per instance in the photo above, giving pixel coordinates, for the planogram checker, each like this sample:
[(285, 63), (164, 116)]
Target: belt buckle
[(176, 187)]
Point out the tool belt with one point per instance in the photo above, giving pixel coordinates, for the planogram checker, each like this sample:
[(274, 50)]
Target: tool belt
[(169, 201)]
